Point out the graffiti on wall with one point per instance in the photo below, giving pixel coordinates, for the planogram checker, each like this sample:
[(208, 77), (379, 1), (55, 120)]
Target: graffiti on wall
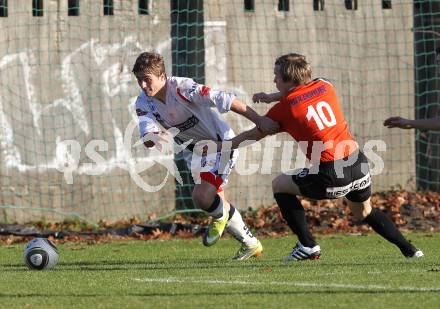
[(110, 69)]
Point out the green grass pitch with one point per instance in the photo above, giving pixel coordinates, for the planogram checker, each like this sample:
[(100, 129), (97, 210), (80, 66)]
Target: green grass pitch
[(354, 272)]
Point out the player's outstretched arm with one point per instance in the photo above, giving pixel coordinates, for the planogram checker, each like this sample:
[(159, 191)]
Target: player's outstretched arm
[(423, 124), (247, 137), (265, 124), (242, 140), (262, 97)]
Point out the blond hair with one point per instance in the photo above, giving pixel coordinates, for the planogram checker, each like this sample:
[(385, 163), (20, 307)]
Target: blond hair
[(294, 67)]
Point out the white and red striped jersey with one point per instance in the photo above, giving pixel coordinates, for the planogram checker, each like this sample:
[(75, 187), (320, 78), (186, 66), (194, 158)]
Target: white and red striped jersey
[(189, 107)]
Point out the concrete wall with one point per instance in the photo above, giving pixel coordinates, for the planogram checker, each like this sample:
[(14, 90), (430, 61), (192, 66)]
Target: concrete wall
[(68, 78), (64, 77), (367, 54)]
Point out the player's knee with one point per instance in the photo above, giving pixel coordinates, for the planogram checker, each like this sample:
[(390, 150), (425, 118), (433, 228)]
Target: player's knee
[(366, 209), (202, 199), (282, 184), (277, 185), (198, 198), (357, 214), (360, 210)]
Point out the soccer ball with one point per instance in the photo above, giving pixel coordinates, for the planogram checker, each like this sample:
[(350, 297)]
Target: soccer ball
[(41, 253)]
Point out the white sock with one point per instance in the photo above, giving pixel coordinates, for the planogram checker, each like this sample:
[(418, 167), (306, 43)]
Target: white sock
[(239, 230)]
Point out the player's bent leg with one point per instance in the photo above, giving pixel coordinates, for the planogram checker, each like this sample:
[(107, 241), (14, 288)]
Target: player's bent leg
[(216, 228), (206, 197), (285, 193), (383, 225), (284, 184), (250, 245), (360, 210), (203, 195)]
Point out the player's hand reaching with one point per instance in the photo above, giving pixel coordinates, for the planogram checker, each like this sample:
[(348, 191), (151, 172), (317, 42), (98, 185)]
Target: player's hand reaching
[(163, 141), (262, 97), (267, 125), (398, 122)]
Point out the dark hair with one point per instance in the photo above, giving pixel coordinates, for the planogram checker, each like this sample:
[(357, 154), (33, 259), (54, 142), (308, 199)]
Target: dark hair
[(149, 63), (294, 67)]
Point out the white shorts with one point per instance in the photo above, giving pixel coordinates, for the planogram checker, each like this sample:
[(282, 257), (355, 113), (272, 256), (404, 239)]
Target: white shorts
[(213, 168)]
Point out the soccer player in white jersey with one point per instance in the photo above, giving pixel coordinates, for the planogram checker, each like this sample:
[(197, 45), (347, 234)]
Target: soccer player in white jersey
[(175, 102)]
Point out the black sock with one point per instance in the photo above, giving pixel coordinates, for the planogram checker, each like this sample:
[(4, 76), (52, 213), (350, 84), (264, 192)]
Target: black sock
[(231, 211), (214, 204), (294, 214), (383, 225)]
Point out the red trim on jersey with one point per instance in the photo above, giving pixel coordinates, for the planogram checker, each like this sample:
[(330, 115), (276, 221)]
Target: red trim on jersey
[(182, 96), (213, 179), (204, 91)]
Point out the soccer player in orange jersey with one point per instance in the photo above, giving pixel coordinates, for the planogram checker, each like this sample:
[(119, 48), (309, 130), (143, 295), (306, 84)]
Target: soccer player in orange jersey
[(309, 111)]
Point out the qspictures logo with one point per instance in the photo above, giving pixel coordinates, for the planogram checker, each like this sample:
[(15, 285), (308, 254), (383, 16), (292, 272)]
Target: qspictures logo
[(208, 156)]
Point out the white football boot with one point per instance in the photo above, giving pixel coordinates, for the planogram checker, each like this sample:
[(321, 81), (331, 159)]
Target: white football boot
[(416, 255), (300, 252)]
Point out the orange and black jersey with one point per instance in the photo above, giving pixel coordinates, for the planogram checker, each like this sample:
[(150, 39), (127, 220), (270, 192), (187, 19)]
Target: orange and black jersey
[(311, 113)]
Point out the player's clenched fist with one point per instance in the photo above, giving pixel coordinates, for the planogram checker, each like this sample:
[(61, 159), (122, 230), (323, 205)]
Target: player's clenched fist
[(262, 97)]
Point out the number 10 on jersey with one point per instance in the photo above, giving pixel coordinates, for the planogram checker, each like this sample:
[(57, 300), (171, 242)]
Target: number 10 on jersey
[(318, 115)]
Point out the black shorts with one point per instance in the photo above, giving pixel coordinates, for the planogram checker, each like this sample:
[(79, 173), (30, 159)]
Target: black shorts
[(349, 177)]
